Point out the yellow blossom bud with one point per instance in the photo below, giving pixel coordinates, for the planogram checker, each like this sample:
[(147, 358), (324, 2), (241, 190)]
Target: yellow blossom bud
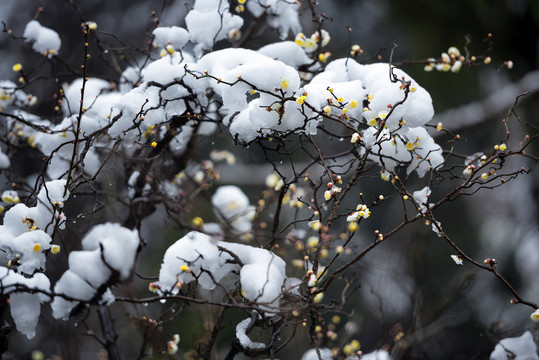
[(312, 241), (318, 297), (197, 221), (316, 225), (37, 247), (55, 249), (17, 67), (327, 110), (184, 268), (355, 344), (535, 315)]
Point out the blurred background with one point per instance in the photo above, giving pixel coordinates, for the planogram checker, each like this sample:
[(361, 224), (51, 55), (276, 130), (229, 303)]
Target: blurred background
[(408, 284)]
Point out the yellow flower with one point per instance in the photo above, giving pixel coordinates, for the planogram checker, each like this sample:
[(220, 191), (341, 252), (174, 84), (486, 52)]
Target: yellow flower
[(300, 39), (197, 221), (154, 144), (312, 241), (352, 104), (327, 195), (184, 268), (410, 146), (17, 67), (284, 84), (315, 225), (535, 315), (55, 249), (37, 247), (324, 56), (327, 110)]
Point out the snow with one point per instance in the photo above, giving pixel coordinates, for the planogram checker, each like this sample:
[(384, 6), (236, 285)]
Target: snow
[(417, 110), (88, 265), (391, 149), (421, 197), (25, 234), (60, 143), (262, 283), (25, 307), (107, 248), (72, 286), (118, 244), (173, 35), (261, 113), (92, 89), (209, 22), (376, 355), (10, 95), (44, 40), (4, 160), (283, 15), (288, 52), (522, 348), (245, 341), (325, 354), (196, 251), (194, 256), (231, 204)]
